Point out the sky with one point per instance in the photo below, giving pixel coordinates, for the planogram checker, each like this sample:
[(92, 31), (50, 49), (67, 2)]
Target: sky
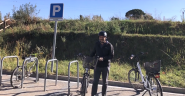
[(159, 9)]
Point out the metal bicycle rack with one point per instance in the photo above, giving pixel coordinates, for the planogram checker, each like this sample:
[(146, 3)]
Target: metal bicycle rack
[(46, 72), (37, 73), (69, 75), (1, 68)]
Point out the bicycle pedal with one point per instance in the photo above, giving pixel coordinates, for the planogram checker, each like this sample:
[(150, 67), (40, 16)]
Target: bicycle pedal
[(15, 87), (140, 87), (29, 74), (20, 77)]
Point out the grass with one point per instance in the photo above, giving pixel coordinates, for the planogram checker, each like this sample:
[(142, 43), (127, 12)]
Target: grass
[(118, 72)]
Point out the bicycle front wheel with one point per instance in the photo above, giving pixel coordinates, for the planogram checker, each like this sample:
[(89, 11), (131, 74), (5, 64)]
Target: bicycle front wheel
[(155, 86), (135, 80), (84, 86), (16, 77)]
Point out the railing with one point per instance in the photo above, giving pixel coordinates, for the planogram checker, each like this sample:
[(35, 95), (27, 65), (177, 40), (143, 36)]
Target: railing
[(4, 25), (69, 75), (46, 72), (1, 68), (37, 65)]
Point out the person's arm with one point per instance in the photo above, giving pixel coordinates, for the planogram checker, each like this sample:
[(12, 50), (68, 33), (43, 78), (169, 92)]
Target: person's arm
[(111, 53)]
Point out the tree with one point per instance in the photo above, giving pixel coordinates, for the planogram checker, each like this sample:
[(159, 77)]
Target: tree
[(26, 13), (97, 18), (114, 18), (84, 18), (134, 13), (7, 16), (81, 17), (148, 17), (183, 11)]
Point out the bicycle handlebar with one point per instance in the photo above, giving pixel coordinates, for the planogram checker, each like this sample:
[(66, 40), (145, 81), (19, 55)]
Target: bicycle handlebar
[(138, 55), (35, 55), (79, 55), (82, 55)]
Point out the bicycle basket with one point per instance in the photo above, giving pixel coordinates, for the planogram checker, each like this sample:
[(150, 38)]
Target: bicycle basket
[(89, 62), (153, 67)]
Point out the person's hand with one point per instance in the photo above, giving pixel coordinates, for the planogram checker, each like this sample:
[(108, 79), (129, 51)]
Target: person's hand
[(101, 59)]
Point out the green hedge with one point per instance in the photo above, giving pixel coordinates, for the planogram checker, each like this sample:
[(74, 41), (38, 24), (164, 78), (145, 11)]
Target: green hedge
[(170, 49), (125, 26)]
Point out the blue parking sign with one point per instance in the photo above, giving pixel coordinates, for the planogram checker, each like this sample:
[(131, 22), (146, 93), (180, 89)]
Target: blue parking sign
[(56, 11)]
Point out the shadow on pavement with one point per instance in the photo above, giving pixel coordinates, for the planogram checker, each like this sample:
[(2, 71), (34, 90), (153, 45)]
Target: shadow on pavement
[(54, 94), (118, 93), (16, 94), (57, 94)]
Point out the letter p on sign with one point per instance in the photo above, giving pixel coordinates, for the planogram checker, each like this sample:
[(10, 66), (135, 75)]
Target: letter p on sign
[(56, 11)]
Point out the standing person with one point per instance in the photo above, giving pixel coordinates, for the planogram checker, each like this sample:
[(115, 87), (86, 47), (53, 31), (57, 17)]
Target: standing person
[(105, 51)]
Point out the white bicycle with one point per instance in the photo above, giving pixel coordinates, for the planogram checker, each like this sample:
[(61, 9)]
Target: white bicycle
[(150, 82)]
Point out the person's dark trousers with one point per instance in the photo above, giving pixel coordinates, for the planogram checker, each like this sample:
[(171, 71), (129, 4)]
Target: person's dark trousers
[(105, 73)]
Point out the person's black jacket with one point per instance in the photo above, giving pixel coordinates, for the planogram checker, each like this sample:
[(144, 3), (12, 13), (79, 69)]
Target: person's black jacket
[(106, 51)]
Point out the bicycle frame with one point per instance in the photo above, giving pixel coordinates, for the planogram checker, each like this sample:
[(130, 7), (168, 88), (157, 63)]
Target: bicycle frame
[(86, 73), (86, 70), (28, 61), (144, 81)]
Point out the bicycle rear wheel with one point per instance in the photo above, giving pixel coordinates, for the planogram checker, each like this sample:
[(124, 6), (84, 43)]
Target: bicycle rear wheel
[(156, 89), (84, 86), (135, 80), (16, 77)]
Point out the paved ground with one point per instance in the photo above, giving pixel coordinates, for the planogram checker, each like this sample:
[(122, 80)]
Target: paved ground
[(37, 89)]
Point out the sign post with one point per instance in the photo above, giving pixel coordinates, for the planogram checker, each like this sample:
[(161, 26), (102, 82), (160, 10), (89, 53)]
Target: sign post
[(56, 14)]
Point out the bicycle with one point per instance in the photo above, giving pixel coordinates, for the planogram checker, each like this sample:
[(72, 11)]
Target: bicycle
[(150, 82), (16, 76), (88, 63)]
